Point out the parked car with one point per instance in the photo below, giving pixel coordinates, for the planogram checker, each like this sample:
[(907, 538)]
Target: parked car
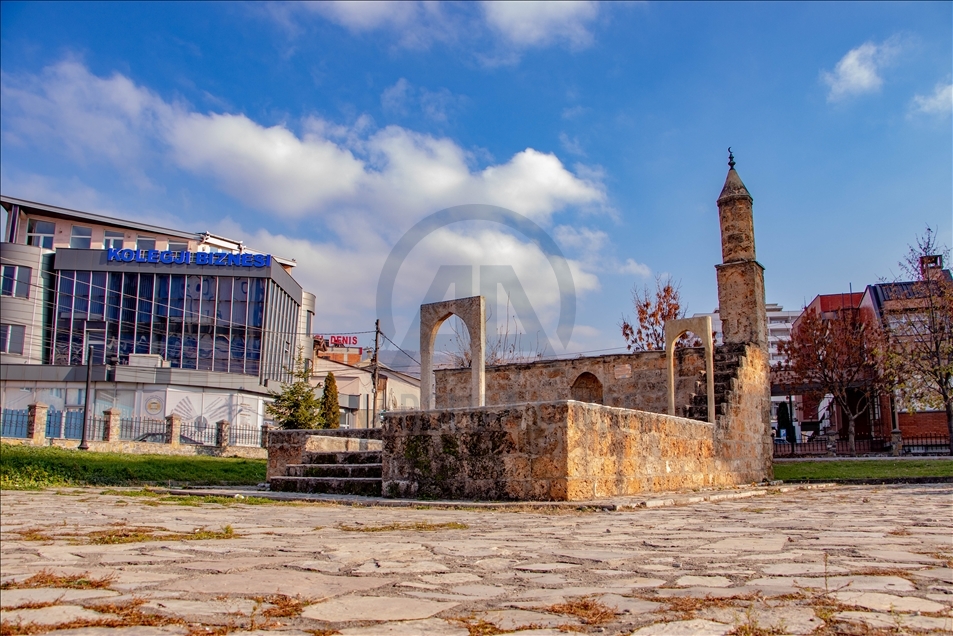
[(159, 438)]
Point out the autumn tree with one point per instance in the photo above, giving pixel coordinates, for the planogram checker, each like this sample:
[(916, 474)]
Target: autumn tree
[(918, 318), (842, 356), (295, 405), (330, 408), (652, 310)]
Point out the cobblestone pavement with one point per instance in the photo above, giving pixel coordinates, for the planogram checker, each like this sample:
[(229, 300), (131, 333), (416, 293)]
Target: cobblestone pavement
[(859, 559)]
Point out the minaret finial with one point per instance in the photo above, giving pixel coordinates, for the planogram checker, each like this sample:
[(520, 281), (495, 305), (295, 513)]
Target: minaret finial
[(731, 159)]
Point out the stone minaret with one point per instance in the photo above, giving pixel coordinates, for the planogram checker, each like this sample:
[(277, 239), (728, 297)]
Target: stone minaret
[(740, 276)]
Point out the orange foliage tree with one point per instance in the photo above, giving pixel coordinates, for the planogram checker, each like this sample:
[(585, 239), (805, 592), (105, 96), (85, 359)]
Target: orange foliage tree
[(842, 356), (652, 309)]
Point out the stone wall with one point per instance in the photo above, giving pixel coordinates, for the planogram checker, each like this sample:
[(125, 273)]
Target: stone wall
[(289, 446), (566, 450), (632, 381), (744, 445), (148, 448)]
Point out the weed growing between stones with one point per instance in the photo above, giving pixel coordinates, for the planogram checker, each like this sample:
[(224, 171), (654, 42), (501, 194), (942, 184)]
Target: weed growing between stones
[(588, 610), (33, 534), (283, 606), (115, 615), (478, 626), (47, 578), (418, 526)]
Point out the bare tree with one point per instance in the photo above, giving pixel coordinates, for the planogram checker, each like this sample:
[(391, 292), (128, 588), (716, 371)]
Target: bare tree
[(503, 347), (918, 318), (842, 356), (652, 310)]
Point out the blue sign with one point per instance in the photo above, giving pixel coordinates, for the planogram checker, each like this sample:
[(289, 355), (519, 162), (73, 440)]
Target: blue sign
[(187, 258)]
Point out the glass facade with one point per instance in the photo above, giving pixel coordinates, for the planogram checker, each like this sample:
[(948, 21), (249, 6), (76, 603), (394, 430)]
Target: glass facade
[(229, 324)]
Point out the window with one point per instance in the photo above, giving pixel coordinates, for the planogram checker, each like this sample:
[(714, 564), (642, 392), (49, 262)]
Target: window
[(40, 233), (113, 240), (81, 238), (11, 339), (146, 243), (178, 248), (16, 281)]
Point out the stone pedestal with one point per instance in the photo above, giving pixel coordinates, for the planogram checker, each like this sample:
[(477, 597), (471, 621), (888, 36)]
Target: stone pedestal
[(36, 423), (173, 429), (111, 419), (222, 429), (896, 442)]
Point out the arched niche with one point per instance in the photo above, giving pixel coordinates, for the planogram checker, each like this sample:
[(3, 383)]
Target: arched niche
[(587, 388), (472, 312), (701, 327)]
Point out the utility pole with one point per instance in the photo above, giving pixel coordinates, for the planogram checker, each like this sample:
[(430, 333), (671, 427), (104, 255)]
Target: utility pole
[(376, 374)]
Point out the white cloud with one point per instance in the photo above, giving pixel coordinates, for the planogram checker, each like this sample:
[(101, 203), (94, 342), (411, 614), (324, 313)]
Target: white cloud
[(415, 24), (537, 24), (858, 72), (632, 267), (356, 184), (939, 103), (436, 105), (571, 144)]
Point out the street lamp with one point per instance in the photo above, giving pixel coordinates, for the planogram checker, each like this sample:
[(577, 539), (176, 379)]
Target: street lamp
[(83, 445)]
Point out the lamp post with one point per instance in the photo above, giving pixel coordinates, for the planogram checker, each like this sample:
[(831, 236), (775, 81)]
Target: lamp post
[(83, 445)]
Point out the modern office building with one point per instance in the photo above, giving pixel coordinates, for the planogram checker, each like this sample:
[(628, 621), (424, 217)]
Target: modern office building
[(199, 311)]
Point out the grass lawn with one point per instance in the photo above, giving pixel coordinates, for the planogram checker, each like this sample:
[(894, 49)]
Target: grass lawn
[(863, 469), (31, 467)]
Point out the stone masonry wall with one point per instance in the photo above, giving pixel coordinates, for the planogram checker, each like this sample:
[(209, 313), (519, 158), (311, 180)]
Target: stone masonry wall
[(633, 381), (743, 441), (148, 448), (566, 450)]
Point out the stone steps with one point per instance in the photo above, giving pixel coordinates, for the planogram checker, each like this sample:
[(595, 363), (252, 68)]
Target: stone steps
[(368, 487), (334, 473), (342, 457), (340, 471)]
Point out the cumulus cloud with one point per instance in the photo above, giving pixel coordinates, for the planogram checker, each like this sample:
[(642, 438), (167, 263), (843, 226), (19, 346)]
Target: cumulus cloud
[(858, 72), (536, 24), (630, 266), (415, 25), (356, 185), (939, 103)]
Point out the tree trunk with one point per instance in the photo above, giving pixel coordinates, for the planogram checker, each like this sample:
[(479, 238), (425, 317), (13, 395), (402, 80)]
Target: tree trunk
[(851, 436)]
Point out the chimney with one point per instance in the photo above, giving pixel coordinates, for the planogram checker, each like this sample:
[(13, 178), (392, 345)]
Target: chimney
[(931, 266)]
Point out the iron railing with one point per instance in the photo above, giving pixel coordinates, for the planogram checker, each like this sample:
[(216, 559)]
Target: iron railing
[(14, 423), (65, 424), (244, 435), (926, 445), (201, 434), (782, 448)]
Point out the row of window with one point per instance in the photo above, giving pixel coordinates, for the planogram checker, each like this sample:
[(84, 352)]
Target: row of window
[(194, 322), (40, 234), (11, 339), (15, 280)]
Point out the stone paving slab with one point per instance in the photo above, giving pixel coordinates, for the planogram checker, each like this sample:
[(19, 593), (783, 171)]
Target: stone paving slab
[(778, 559)]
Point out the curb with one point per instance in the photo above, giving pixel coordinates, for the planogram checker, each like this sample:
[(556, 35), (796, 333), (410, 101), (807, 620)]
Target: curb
[(608, 506), (883, 481)]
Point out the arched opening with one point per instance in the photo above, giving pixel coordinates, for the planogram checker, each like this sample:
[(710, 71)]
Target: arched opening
[(587, 388)]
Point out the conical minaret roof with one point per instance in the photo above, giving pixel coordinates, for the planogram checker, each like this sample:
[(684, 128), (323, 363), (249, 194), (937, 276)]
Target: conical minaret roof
[(734, 187)]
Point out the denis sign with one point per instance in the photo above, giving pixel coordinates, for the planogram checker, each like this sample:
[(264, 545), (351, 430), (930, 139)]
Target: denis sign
[(187, 258)]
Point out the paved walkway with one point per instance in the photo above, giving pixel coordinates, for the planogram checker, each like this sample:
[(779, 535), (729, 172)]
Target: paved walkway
[(855, 559)]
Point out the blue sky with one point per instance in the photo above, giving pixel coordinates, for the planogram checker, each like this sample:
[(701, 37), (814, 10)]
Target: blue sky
[(323, 132)]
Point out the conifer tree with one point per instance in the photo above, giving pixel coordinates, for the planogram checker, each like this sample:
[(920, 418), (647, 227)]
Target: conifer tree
[(296, 406), (330, 409)]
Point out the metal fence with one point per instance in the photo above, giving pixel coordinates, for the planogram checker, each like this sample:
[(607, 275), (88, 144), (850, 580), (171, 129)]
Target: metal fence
[(199, 432), (66, 424), (820, 447), (142, 429), (926, 445), (244, 435), (14, 423)]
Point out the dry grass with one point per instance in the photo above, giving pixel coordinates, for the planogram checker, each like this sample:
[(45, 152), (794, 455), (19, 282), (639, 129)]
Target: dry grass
[(588, 610), (121, 615), (478, 626), (33, 534), (283, 606), (882, 572), (686, 606), (33, 605), (419, 526), (899, 532), (322, 632), (46, 578)]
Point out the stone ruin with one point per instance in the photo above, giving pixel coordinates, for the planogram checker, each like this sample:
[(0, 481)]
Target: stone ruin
[(576, 429)]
